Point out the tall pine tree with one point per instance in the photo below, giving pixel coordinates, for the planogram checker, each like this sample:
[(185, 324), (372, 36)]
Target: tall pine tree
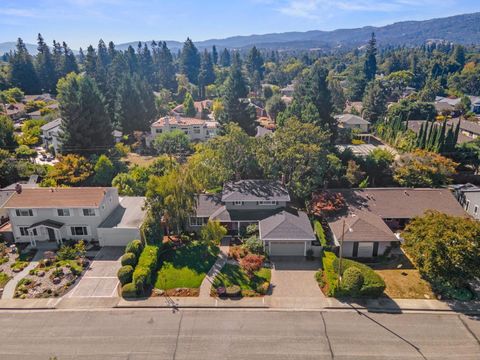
[(190, 61), (45, 67), (22, 72), (370, 65)]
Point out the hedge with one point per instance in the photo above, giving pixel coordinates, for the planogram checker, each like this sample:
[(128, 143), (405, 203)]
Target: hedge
[(129, 291), (143, 276), (320, 232), (125, 274), (129, 259), (373, 284), (134, 247)]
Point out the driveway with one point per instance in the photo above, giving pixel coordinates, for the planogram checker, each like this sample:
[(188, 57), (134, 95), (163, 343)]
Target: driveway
[(100, 280), (293, 282)]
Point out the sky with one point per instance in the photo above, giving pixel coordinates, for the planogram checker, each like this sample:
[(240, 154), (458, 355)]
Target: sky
[(84, 22)]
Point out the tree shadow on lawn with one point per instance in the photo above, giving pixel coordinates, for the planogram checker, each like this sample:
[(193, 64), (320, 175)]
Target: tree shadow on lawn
[(234, 275), (185, 267)]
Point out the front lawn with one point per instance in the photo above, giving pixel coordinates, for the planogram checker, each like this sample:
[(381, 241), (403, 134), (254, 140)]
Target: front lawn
[(405, 284), (232, 275), (185, 267)]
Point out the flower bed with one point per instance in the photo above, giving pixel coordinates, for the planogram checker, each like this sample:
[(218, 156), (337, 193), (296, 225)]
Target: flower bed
[(233, 281)]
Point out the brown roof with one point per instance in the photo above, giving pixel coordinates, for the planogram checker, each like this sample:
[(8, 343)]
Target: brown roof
[(58, 197), (179, 121), (199, 106)]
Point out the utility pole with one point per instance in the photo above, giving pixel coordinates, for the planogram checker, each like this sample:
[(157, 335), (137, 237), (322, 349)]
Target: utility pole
[(340, 258)]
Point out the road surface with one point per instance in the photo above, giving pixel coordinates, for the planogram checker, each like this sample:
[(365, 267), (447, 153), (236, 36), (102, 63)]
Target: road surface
[(235, 334)]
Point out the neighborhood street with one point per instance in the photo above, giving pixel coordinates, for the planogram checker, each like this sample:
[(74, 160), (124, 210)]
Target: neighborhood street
[(236, 334)]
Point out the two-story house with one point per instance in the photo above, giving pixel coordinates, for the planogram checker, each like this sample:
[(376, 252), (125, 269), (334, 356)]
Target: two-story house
[(468, 195), (353, 122), (89, 213), (196, 129), (284, 230), (50, 134)]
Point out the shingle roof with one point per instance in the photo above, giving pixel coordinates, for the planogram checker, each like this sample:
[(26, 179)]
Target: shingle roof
[(351, 119), (289, 224), (52, 124), (58, 197), (225, 215), (130, 213), (180, 121), (255, 190), (207, 204)]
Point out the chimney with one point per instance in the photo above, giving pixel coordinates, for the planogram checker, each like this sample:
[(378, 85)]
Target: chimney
[(167, 120)]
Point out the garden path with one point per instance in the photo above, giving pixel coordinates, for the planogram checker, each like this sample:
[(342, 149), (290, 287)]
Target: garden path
[(9, 289), (207, 282)]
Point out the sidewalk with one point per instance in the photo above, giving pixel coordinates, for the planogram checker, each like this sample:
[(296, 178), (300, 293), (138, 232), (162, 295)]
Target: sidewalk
[(9, 290)]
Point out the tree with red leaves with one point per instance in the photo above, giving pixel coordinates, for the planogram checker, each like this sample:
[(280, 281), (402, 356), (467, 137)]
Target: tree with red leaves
[(251, 263), (327, 203)]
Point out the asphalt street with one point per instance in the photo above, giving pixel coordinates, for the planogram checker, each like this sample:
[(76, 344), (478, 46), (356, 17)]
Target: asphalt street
[(235, 334)]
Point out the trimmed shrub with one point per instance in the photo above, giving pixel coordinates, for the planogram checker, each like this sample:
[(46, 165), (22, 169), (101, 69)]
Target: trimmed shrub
[(254, 245), (252, 229), (262, 289), (129, 291), (129, 259), (125, 274), (146, 267), (233, 291), (134, 247), (320, 232), (352, 280)]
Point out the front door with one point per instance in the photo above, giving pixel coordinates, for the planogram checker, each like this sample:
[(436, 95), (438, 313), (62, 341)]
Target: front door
[(51, 234)]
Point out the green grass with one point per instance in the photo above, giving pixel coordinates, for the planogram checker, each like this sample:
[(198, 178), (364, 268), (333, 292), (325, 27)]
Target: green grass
[(185, 267), (234, 275), (4, 278)]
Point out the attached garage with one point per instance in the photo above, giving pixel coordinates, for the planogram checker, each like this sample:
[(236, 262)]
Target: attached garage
[(287, 233), (117, 236), (286, 248)]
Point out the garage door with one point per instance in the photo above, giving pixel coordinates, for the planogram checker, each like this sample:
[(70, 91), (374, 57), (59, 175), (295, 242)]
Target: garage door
[(287, 248), (365, 249)]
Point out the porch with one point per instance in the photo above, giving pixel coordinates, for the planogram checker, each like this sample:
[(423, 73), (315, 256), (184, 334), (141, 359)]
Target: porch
[(47, 230)]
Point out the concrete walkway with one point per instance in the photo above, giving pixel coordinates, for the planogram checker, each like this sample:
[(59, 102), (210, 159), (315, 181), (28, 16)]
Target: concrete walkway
[(207, 282), (9, 289)]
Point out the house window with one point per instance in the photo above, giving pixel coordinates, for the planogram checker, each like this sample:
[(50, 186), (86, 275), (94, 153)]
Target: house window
[(24, 231), (24, 212), (158, 131), (269, 202), (63, 212), (468, 204), (79, 230), (475, 210), (198, 221), (240, 203), (196, 130), (88, 212)]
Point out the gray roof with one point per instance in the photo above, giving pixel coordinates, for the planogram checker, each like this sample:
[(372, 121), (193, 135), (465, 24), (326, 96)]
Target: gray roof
[(261, 131), (255, 190), (289, 224), (128, 214), (52, 124), (207, 204), (225, 215), (351, 119)]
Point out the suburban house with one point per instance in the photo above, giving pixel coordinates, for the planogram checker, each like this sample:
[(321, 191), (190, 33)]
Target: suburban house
[(51, 132), (469, 130), (449, 104), (367, 223), (284, 230), (203, 109), (15, 111), (353, 122), (83, 213), (196, 129), (468, 195)]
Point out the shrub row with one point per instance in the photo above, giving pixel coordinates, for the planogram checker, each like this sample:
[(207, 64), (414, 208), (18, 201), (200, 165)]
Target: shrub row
[(371, 286), (320, 232), (143, 275)]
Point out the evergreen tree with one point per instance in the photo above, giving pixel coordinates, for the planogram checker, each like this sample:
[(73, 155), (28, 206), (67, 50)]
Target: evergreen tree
[(132, 59), (101, 68), (91, 61), (166, 68), (7, 138), (86, 126), (214, 55), (370, 65), (70, 62), (146, 65), (374, 102), (189, 106), (190, 61), (22, 72), (81, 56), (135, 104), (225, 59), (45, 67), (207, 74), (58, 59), (236, 108), (255, 67)]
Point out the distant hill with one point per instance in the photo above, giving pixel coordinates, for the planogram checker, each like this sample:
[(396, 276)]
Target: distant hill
[(461, 29), (10, 45)]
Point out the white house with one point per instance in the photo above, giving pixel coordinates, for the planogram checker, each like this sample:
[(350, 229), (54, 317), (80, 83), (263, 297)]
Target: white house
[(196, 129), (350, 121), (468, 195), (83, 213)]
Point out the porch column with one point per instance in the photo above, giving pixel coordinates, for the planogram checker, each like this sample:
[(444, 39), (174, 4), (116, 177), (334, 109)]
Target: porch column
[(305, 248), (238, 227), (32, 240)]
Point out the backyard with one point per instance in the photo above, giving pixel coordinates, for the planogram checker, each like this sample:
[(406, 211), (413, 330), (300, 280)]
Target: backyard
[(185, 267)]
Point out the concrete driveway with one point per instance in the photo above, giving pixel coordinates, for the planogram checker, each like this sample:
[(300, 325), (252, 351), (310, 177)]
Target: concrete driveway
[(100, 280), (293, 282)]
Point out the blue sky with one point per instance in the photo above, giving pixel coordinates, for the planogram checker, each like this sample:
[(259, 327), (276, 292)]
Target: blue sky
[(81, 22)]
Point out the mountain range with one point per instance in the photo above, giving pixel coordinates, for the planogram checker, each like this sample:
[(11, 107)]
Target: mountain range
[(461, 29)]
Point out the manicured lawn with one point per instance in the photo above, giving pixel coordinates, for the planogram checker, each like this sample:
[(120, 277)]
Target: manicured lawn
[(234, 275), (185, 267), (405, 284)]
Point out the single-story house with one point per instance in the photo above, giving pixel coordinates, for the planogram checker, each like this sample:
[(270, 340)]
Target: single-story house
[(367, 224), (284, 231)]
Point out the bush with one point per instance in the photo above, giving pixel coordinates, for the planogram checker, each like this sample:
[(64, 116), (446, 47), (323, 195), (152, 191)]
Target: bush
[(254, 245), (252, 229), (134, 247), (352, 280), (147, 264), (251, 263), (237, 252), (320, 279), (320, 232), (129, 291), (125, 274), (129, 259), (66, 253), (233, 291), (262, 289)]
